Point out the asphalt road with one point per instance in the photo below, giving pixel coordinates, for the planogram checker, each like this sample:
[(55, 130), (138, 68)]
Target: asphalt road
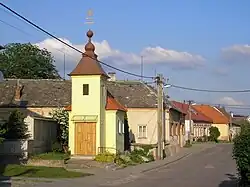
[(213, 167)]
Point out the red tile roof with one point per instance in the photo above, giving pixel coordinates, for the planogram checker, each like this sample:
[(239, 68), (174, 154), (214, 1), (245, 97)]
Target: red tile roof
[(195, 114), (112, 104), (213, 113)]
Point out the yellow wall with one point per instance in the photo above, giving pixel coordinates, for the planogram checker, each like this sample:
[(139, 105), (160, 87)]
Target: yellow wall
[(114, 139), (143, 117), (147, 117), (224, 131), (111, 130), (92, 104)]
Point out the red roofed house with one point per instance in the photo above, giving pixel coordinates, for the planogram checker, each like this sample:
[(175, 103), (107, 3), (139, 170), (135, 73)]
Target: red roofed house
[(219, 119), (200, 123)]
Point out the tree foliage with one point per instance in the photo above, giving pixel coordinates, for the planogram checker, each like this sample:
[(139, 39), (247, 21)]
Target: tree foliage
[(15, 127), (2, 132), (214, 133), (27, 61), (241, 152), (62, 118)]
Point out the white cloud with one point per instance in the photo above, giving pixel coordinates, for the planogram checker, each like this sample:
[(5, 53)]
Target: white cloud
[(222, 71), (229, 101), (237, 53), (151, 55)]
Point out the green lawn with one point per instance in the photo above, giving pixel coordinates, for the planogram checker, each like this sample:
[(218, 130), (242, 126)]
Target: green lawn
[(39, 171), (50, 156)]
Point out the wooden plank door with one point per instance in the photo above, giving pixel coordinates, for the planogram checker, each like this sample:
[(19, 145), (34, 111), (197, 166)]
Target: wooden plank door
[(85, 139)]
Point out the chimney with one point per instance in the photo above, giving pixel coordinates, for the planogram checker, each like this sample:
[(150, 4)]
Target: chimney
[(112, 76), (18, 91)]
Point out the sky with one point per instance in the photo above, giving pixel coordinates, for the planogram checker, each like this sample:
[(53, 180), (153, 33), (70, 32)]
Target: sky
[(197, 44)]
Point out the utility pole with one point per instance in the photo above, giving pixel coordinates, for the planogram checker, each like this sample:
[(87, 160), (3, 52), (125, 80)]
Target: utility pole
[(159, 81), (230, 126), (190, 133)]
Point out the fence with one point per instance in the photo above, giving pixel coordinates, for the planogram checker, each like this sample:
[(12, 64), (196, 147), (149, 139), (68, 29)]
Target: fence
[(23, 148)]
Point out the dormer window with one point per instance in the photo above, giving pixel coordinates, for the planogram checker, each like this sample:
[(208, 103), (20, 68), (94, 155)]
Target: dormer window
[(85, 89)]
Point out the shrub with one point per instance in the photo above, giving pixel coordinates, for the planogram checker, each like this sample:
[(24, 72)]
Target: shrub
[(2, 132), (199, 140), (105, 157), (61, 116), (187, 144), (241, 153), (205, 138), (214, 134), (15, 127), (57, 147)]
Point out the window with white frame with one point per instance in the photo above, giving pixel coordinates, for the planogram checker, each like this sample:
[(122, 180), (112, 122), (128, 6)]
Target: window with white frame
[(142, 131), (120, 127)]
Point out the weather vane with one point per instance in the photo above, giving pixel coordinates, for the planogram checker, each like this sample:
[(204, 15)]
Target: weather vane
[(89, 18)]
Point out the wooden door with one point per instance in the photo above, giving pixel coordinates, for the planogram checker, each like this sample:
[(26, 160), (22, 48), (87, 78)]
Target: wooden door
[(85, 139)]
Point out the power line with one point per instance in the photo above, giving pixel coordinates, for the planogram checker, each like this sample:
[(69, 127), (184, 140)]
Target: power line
[(207, 90), (28, 34), (70, 46)]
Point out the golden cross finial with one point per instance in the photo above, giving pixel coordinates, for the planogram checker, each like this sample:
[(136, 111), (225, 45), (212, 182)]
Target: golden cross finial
[(89, 18)]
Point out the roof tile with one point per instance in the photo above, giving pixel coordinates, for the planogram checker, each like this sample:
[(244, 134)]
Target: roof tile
[(195, 114), (217, 116)]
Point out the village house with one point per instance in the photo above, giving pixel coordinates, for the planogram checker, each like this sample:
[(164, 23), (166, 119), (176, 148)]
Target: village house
[(199, 122), (99, 100), (219, 119)]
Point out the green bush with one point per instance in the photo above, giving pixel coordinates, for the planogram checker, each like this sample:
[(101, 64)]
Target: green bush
[(57, 147), (188, 144), (214, 134), (147, 148), (205, 138), (241, 153), (136, 156), (105, 157), (199, 140), (15, 126)]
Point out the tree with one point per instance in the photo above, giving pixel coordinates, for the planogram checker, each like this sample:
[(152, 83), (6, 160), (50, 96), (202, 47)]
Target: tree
[(241, 152), (214, 133), (2, 132), (27, 61), (62, 118), (15, 127)]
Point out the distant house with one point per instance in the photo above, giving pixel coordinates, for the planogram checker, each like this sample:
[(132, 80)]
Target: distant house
[(237, 121), (219, 119), (199, 122)]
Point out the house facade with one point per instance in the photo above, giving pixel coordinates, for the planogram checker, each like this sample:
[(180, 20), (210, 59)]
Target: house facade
[(140, 100), (200, 123), (219, 119)]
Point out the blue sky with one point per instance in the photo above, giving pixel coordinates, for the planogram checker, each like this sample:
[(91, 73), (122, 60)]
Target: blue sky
[(184, 40)]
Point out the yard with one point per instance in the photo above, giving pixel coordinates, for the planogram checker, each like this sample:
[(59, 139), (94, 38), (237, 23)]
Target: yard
[(13, 170)]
